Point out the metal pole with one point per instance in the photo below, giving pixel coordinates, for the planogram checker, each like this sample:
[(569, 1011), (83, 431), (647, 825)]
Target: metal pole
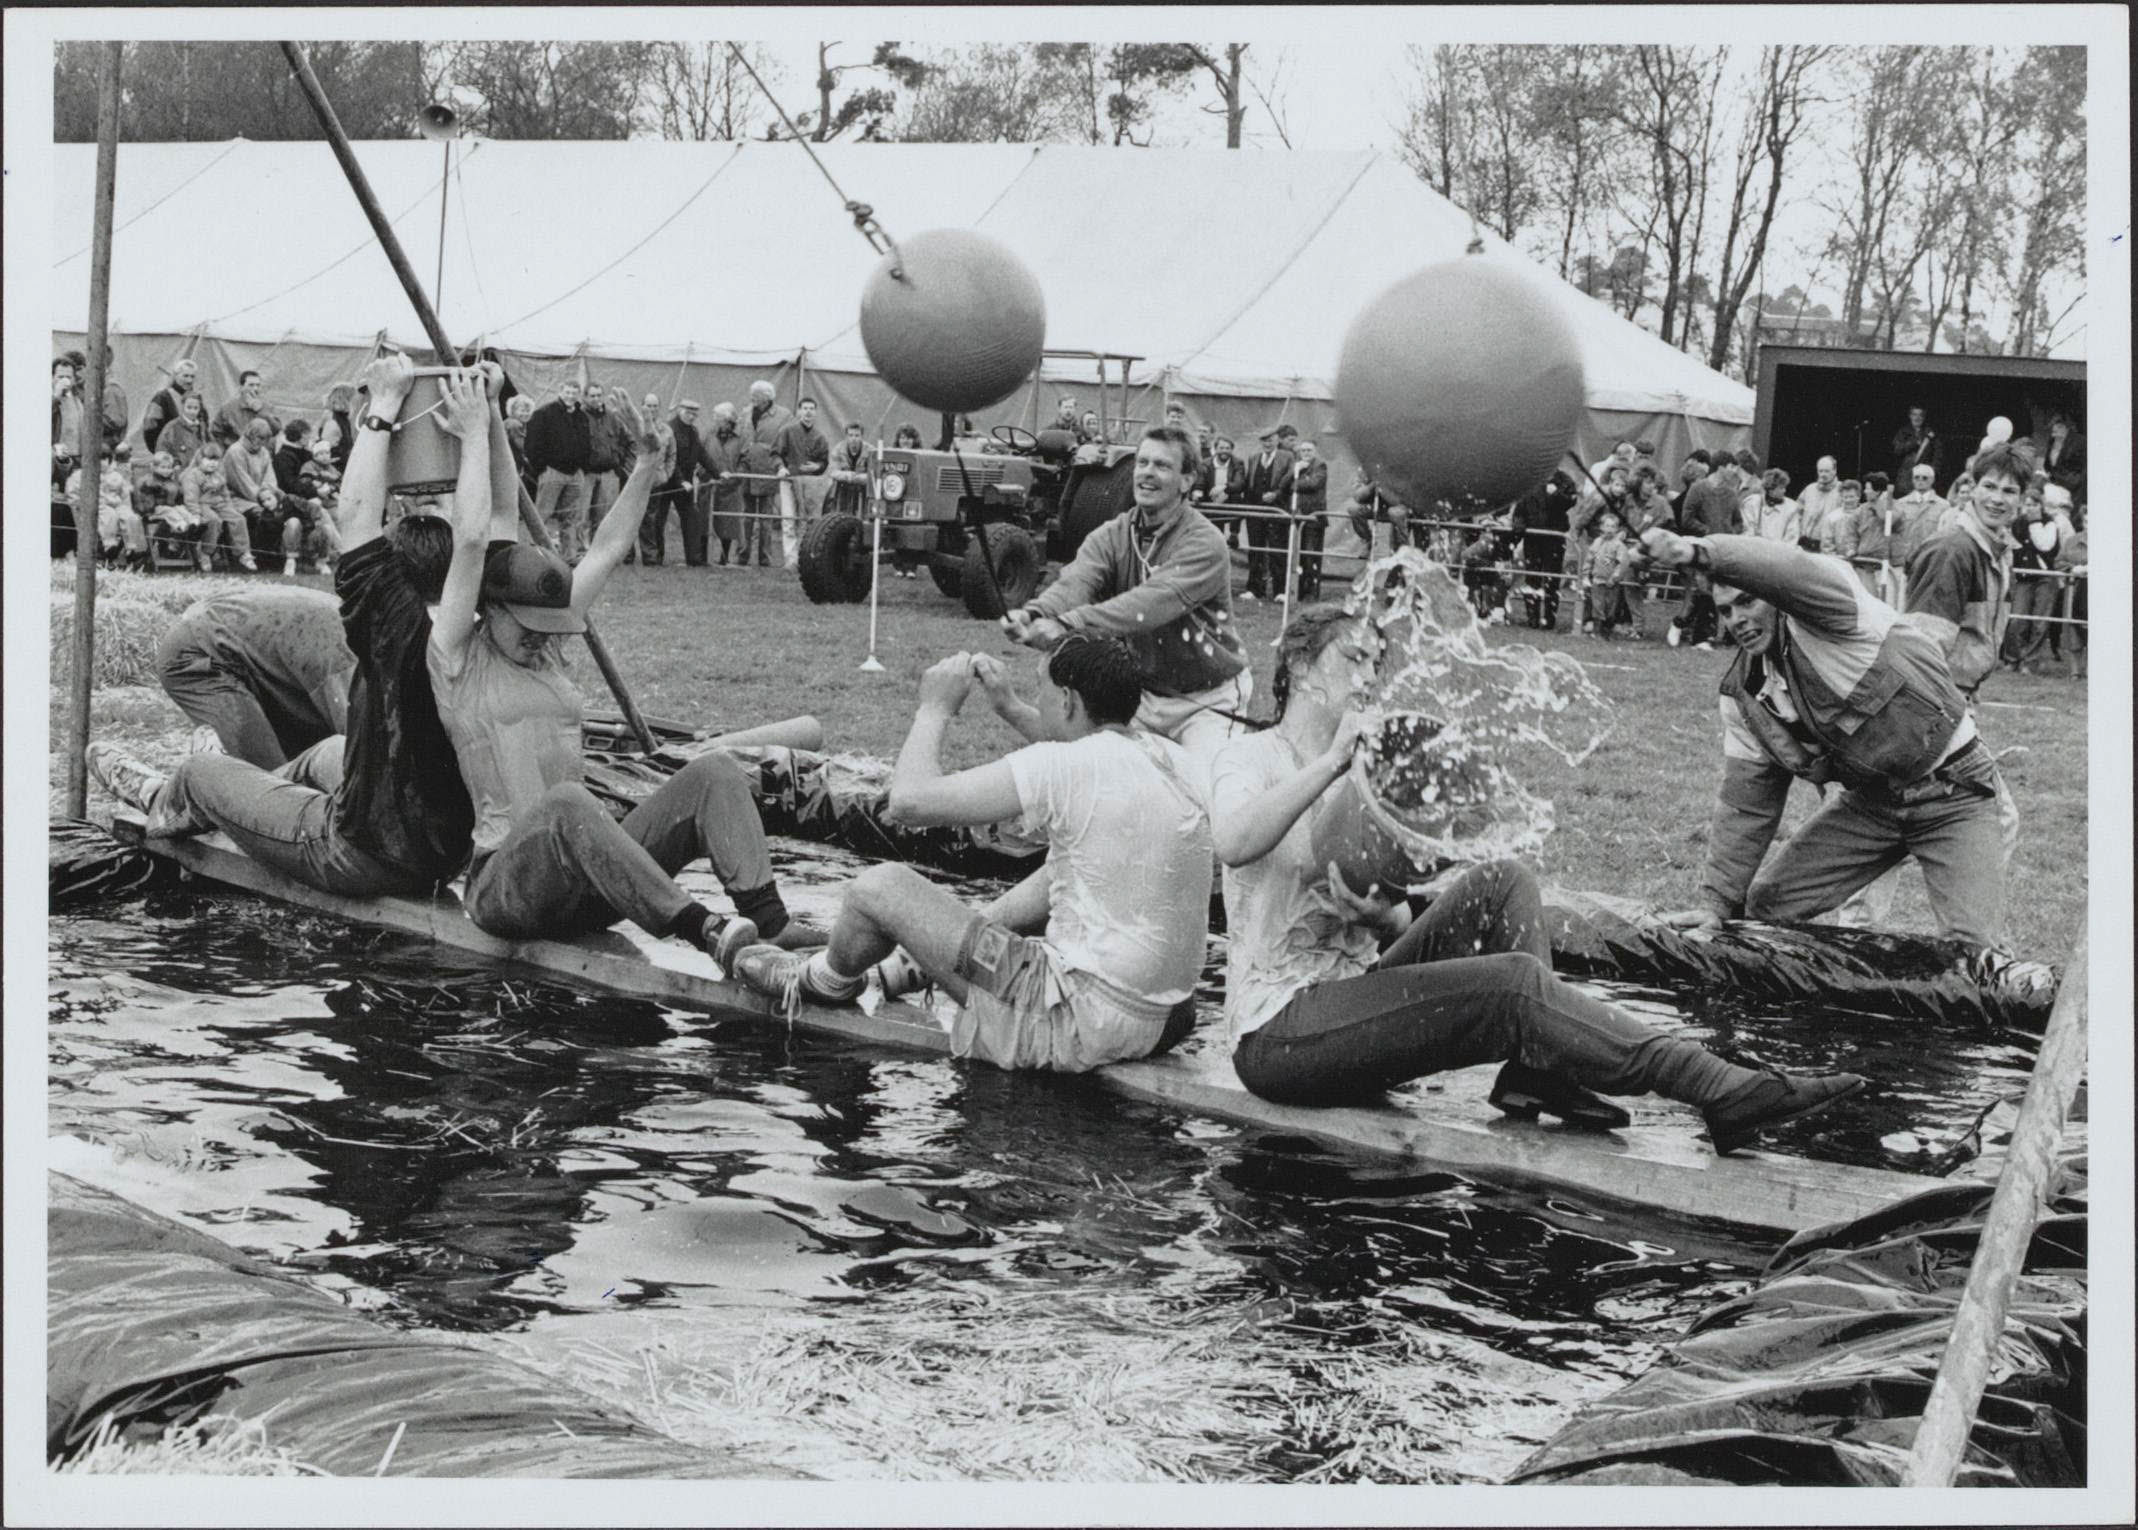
[(870, 665), (2008, 1230), (92, 436), (338, 140), (445, 190)]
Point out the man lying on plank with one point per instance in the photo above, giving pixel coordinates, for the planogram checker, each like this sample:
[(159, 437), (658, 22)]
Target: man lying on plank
[(380, 809), (1082, 963), (549, 859)]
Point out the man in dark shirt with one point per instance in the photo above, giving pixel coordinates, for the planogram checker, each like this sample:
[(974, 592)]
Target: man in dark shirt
[(164, 407), (679, 493), (1269, 488), (1539, 518), (1915, 442), (559, 444), (384, 809)]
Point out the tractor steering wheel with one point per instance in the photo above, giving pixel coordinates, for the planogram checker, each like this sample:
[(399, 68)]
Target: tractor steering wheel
[(1016, 438)]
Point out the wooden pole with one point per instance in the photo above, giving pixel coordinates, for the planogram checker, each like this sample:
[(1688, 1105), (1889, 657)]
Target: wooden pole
[(91, 440), (323, 109), (1949, 1415)]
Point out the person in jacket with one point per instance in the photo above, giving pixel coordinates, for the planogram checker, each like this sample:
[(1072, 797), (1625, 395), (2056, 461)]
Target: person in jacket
[(1915, 445), (122, 537), (249, 470), (182, 437), (207, 495), (804, 455), (1779, 518), (1333, 997), (1960, 581), (1539, 519), (2038, 542), (1158, 578), (1608, 563), (761, 430), (160, 501), (678, 493), (724, 448), (164, 405), (235, 419), (2061, 450), (608, 455), (560, 439), (1269, 488), (849, 474), (1310, 481), (1834, 687), (1878, 541)]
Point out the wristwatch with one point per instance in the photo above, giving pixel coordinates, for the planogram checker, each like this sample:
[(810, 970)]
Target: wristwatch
[(377, 422)]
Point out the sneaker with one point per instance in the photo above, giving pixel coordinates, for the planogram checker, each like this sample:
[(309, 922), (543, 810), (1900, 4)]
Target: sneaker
[(289, 567), (1769, 1101), (899, 974), (1249, 596), (785, 977), (1674, 636), (1703, 648), (249, 564), (727, 937), (801, 935), (204, 740), (1588, 629), (138, 786), (1525, 1093)]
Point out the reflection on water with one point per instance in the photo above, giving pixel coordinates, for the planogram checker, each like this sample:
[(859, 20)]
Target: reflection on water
[(472, 1151)]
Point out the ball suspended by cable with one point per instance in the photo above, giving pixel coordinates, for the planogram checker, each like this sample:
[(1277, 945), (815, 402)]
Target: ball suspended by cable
[(1460, 386), (953, 321)]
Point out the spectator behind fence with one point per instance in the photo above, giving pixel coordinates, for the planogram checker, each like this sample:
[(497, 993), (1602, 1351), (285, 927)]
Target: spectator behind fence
[(1610, 493), (164, 404), (608, 456), (1310, 477), (1821, 497), (2040, 532), (2071, 562), (728, 519), (559, 441), (1269, 487), (1223, 479), (235, 418), (516, 415), (207, 491), (338, 427), (1879, 541), (121, 537), (182, 437), (761, 430), (804, 452), (66, 410), (849, 473), (1539, 518), (160, 500), (1696, 466), (1778, 518), (1837, 529), (677, 494), (2061, 450), (1622, 455), (1608, 564)]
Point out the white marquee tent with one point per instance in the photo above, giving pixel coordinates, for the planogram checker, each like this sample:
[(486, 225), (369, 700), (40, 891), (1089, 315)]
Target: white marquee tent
[(688, 269)]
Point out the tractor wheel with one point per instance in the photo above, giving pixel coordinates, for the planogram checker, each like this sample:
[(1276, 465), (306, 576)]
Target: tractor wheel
[(834, 562), (1093, 496), (1002, 572), (948, 573)]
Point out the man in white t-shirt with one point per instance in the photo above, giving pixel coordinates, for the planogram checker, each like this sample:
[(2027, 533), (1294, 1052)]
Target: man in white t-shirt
[(1088, 960)]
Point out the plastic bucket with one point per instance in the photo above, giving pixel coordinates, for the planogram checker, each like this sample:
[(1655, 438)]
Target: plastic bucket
[(1399, 793), (421, 458)]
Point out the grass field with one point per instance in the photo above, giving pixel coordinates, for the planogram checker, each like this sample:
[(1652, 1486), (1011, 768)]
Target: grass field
[(730, 647)]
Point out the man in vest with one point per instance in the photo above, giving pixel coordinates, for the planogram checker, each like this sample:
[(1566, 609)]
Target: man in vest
[(1833, 686)]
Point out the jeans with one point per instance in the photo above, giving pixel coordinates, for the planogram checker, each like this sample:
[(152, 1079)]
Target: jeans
[(600, 494), (249, 731), (2034, 596), (1961, 839), (226, 523), (568, 868), (762, 528), (284, 818), (682, 501), (560, 504), (1469, 982)]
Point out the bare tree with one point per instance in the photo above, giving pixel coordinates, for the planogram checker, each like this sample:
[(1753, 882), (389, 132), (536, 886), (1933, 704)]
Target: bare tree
[(992, 93), (2052, 175), (1223, 66), (701, 91), (1985, 117), (1669, 109), (1274, 104), (1774, 122), (551, 90), (1893, 120), (1436, 119), (1573, 111)]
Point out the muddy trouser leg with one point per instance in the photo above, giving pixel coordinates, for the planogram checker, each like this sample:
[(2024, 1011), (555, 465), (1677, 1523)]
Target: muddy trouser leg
[(1489, 909), (1849, 843), (1347, 1041), (706, 810), (215, 699), (284, 818), (1964, 845)]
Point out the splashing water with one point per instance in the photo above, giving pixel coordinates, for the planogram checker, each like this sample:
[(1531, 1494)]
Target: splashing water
[(1460, 716)]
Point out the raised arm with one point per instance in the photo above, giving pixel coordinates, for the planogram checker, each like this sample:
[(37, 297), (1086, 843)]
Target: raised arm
[(655, 462), (921, 796), (994, 678), (1247, 826), (361, 514), (465, 413)]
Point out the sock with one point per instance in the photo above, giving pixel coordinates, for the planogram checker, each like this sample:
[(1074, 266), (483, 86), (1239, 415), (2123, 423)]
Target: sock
[(822, 979), (690, 925), (763, 907)]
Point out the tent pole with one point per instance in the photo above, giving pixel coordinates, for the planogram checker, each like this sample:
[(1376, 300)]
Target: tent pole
[(92, 437), (323, 109)]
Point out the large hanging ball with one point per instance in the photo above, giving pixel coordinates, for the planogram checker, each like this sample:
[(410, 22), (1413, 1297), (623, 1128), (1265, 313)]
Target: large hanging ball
[(1460, 385), (960, 327)]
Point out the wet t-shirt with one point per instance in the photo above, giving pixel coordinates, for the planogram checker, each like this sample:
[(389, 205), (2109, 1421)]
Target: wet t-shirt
[(514, 727), (1283, 930), (1128, 842), (282, 642), (401, 797)]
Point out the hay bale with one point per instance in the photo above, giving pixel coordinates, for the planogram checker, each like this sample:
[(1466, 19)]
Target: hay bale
[(172, 591), (127, 632)]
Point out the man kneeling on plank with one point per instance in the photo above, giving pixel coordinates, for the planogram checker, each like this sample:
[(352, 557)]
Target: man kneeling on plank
[(1083, 963), (1332, 998), (380, 809), (549, 859)]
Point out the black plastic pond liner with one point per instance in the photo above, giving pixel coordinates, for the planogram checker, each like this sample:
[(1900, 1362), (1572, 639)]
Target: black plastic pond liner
[(1819, 1376), (153, 1325), (88, 864)]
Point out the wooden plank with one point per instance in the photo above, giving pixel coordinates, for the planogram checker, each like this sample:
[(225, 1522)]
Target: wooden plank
[(1655, 1164)]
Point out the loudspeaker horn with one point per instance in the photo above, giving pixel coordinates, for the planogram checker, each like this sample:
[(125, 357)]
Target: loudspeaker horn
[(438, 121)]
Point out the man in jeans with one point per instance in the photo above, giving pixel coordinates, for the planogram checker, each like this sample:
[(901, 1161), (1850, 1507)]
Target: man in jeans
[(559, 446), (608, 455), (1832, 686), (1085, 962), (381, 809)]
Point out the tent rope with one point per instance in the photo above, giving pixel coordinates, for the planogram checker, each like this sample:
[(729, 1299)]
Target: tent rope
[(864, 216), (334, 265), (651, 235), (228, 149), (467, 238)]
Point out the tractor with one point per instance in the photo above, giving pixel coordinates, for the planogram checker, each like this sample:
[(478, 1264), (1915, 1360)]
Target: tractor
[(987, 514)]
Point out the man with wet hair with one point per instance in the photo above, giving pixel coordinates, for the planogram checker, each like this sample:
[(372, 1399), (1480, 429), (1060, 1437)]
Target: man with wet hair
[(1159, 579), (1087, 961), (1832, 686), (381, 809)]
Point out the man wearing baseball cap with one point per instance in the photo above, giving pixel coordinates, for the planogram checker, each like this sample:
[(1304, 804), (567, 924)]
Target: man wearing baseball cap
[(549, 861)]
